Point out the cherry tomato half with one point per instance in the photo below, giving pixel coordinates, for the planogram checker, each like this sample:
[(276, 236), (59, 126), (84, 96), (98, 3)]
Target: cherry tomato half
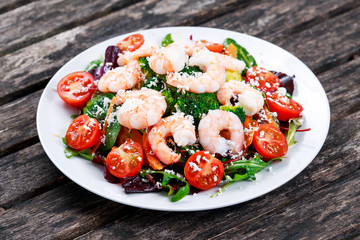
[(76, 88), (262, 79), (203, 171), (213, 47), (132, 134), (269, 142), (84, 132), (126, 160), (131, 43), (285, 107)]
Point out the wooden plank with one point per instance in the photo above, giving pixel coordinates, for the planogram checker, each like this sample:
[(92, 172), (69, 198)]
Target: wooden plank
[(18, 120), (62, 213), (341, 43), (25, 174), (320, 49), (340, 84), (275, 20), (12, 4), (41, 19), (329, 213), (29, 69), (70, 211)]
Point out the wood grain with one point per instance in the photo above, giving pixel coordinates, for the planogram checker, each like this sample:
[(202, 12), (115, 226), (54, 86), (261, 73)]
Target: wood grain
[(324, 37), (12, 4), (41, 19), (275, 20), (79, 204), (324, 214), (29, 68), (26, 173), (18, 120), (62, 213), (343, 83)]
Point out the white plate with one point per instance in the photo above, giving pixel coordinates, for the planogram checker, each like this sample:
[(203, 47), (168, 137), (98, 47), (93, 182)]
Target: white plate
[(53, 119)]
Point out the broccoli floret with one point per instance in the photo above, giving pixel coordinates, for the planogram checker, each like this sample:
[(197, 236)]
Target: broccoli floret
[(145, 68), (191, 70), (170, 101), (197, 104), (156, 83), (239, 111)]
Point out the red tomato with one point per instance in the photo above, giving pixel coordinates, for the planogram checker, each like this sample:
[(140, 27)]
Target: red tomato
[(133, 134), (269, 142), (84, 132), (214, 47), (203, 171), (262, 79), (126, 160), (285, 107), (131, 43), (76, 88)]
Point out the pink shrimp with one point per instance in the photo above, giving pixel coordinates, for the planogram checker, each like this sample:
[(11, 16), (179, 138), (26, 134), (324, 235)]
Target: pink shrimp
[(212, 78), (210, 127), (146, 50), (177, 126), (140, 108), (171, 58), (244, 95), (124, 78)]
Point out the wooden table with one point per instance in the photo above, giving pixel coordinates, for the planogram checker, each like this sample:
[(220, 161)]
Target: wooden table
[(38, 201)]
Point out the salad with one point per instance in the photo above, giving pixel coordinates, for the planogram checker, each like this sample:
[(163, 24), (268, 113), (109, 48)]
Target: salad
[(182, 117)]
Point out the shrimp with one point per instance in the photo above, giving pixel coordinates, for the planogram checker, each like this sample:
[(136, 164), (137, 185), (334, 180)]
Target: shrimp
[(212, 78), (172, 58), (244, 95), (124, 78), (210, 127), (140, 108), (230, 63), (177, 126), (146, 50)]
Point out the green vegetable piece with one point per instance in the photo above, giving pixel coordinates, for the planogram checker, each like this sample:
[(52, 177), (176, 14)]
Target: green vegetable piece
[(237, 110), (182, 192), (167, 40), (94, 64), (242, 170), (242, 54), (191, 70), (167, 176), (111, 133), (86, 153), (245, 167), (156, 83), (145, 68), (97, 108), (197, 105), (288, 95), (70, 152), (170, 101), (294, 124)]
